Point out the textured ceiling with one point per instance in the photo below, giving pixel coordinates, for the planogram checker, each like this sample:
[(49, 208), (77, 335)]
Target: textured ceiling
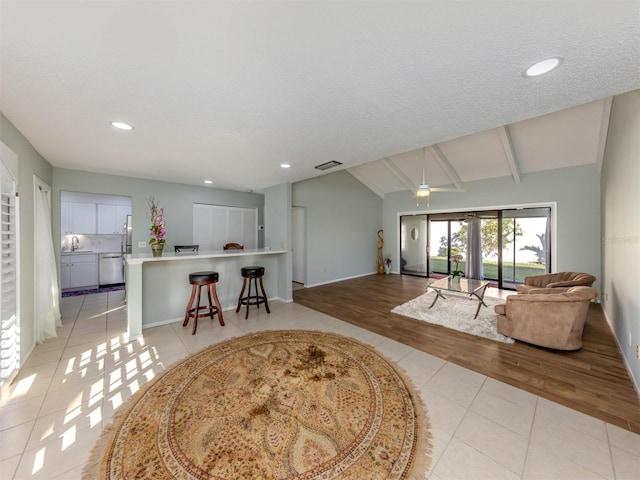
[(229, 90)]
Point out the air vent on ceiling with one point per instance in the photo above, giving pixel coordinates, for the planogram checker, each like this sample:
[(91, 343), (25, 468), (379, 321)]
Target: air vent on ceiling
[(328, 165)]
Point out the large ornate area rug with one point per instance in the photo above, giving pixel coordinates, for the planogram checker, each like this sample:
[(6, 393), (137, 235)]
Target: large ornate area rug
[(271, 405), (456, 312)]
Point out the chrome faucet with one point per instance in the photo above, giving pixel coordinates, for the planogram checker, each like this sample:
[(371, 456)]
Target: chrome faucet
[(75, 243)]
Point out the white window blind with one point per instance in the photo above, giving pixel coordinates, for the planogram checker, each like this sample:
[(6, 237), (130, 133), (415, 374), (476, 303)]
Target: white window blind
[(215, 225), (9, 325)]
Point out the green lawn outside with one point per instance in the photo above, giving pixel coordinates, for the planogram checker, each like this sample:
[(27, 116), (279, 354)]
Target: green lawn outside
[(439, 264)]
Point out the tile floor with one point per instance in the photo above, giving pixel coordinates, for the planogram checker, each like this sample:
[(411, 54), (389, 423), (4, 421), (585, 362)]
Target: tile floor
[(70, 386)]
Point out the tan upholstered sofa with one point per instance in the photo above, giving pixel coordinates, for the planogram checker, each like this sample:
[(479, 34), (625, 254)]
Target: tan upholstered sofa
[(561, 281), (549, 319)]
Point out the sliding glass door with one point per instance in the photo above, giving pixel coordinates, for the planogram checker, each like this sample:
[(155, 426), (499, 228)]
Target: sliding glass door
[(503, 246), (413, 245), (525, 244), (444, 243)]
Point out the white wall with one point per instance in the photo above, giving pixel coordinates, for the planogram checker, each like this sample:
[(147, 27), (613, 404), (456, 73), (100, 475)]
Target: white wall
[(277, 233), (30, 163), (177, 200), (343, 217), (621, 227)]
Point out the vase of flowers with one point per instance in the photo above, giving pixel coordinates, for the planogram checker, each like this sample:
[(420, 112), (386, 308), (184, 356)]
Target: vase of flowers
[(455, 272), (157, 231)]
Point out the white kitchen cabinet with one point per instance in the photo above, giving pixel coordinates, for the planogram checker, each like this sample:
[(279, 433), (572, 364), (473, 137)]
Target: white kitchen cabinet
[(78, 271), (111, 218), (77, 218), (65, 272)]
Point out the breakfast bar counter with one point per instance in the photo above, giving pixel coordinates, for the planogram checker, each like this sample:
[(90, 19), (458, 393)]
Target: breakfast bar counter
[(158, 288)]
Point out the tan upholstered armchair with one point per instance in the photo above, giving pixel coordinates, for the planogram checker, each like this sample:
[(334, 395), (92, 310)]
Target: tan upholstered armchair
[(549, 319), (561, 281)]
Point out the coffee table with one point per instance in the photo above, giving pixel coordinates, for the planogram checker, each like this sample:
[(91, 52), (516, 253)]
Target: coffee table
[(468, 286)]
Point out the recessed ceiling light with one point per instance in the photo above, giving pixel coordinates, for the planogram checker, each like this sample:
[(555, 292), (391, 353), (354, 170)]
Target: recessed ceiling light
[(208, 181), (122, 125), (542, 67), (285, 165)]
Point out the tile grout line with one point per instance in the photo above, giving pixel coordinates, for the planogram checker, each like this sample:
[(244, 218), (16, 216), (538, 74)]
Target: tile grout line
[(24, 450)]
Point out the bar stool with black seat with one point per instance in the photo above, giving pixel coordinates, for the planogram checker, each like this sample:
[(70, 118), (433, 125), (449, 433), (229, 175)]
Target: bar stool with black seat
[(197, 281), (252, 273)]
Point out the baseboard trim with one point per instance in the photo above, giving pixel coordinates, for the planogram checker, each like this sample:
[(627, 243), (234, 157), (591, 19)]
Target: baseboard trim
[(181, 319), (339, 280), (634, 380)]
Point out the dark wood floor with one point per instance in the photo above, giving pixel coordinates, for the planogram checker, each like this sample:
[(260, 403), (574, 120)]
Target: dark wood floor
[(593, 380)]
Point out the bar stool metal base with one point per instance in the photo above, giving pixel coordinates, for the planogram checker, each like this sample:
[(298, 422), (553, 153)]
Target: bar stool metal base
[(255, 274), (197, 281)]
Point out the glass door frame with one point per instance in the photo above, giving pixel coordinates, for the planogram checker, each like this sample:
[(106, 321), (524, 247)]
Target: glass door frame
[(419, 234), (498, 214)]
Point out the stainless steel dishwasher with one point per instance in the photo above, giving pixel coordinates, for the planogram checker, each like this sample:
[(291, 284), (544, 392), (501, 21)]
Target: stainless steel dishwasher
[(110, 269)]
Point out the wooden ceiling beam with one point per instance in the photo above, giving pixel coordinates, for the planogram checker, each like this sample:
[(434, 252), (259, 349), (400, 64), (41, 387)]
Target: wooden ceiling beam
[(443, 161), (399, 174), (604, 130), (509, 152)]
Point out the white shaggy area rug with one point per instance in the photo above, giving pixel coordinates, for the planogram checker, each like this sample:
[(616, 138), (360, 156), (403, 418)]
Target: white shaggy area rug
[(456, 312)]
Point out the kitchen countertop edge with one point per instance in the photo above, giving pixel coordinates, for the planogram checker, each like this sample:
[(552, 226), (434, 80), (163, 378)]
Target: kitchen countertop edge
[(139, 258), (90, 253)]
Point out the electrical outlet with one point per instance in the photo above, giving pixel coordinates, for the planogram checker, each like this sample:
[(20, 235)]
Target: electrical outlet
[(142, 244)]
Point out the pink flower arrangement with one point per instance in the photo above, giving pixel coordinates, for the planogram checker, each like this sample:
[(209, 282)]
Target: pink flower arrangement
[(157, 231)]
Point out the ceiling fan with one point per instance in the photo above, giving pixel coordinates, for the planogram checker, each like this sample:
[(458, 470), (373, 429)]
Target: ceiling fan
[(424, 190)]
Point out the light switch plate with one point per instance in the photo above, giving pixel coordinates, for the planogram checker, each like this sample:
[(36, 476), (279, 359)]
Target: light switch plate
[(142, 244)]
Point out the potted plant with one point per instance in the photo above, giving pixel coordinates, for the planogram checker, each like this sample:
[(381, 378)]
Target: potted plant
[(157, 231)]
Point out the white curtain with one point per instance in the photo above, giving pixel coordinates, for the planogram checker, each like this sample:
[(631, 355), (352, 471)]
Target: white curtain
[(473, 268), (47, 292)]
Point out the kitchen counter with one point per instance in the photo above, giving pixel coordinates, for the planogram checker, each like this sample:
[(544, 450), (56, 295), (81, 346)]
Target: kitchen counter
[(158, 287), (170, 256), (90, 269)]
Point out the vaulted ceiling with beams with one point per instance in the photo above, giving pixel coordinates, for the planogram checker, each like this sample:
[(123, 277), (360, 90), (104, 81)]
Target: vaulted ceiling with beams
[(567, 138), (228, 91)]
